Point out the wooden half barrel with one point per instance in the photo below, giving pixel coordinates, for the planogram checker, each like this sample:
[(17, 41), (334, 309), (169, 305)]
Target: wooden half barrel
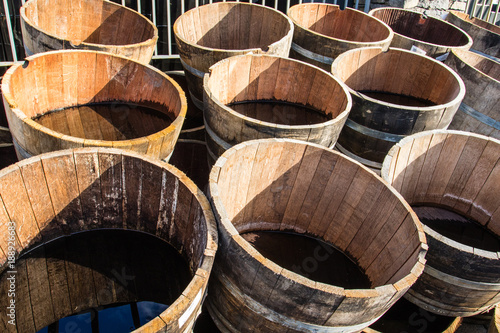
[(485, 36), (395, 93), (432, 35), (285, 186), (87, 24), (5, 137), (82, 190), (323, 31), (190, 156), (210, 33), (261, 96), (480, 109), (74, 98), (459, 172)]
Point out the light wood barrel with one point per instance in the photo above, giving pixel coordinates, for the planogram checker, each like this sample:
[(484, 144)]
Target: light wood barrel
[(286, 185), (87, 24), (485, 36), (480, 109), (254, 78), (323, 31), (210, 33), (71, 191), (395, 94), (36, 87), (458, 171), (432, 35)]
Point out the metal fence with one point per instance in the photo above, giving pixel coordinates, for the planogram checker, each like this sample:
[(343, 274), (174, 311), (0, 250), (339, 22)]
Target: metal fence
[(163, 14)]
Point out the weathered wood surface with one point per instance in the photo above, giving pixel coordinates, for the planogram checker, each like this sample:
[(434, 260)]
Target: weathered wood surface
[(374, 125), (480, 110), (485, 36), (432, 35), (323, 31), (458, 171), (190, 156), (89, 25), (495, 322), (288, 185), (59, 193), (60, 79), (210, 33), (270, 78)]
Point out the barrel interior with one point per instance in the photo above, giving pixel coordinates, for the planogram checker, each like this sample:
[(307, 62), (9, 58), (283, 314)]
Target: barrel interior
[(399, 76), (291, 187), (232, 26), (417, 26), (331, 21), (250, 79), (89, 21), (94, 96), (71, 192), (482, 64), (476, 21)]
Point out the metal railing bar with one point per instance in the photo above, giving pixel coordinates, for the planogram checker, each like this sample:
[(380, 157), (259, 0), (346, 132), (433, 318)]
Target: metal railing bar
[(9, 28), (153, 16), (169, 31)]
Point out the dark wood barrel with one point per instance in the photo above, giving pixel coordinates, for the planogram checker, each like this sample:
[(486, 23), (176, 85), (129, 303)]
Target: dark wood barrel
[(210, 33), (323, 31), (34, 91), (253, 81), (485, 36), (405, 316), (395, 93), (73, 191), (479, 111), (459, 172), (190, 156), (413, 29), (87, 24), (285, 185)]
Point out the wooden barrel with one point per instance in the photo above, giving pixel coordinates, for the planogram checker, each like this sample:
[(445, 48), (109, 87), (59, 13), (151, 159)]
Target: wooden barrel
[(395, 93), (285, 185), (459, 172), (485, 36), (479, 111), (143, 109), (190, 156), (72, 191), (210, 33), (323, 31), (87, 24), (260, 96), (415, 30), (405, 316)]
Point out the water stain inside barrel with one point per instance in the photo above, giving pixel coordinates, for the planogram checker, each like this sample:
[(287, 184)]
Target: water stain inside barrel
[(458, 228), (309, 257), (114, 280), (108, 121), (278, 112), (404, 316), (398, 99)]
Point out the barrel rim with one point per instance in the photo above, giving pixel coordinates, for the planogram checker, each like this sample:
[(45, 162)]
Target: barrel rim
[(339, 118), (9, 98), (225, 225), (466, 46), (467, 19), (460, 96), (431, 232), (383, 41), (149, 41), (189, 295), (233, 51), (459, 54)]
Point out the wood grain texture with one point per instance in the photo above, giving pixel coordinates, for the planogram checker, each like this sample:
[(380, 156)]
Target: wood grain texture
[(432, 35), (457, 171), (317, 192), (64, 79), (106, 27), (72, 191)]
